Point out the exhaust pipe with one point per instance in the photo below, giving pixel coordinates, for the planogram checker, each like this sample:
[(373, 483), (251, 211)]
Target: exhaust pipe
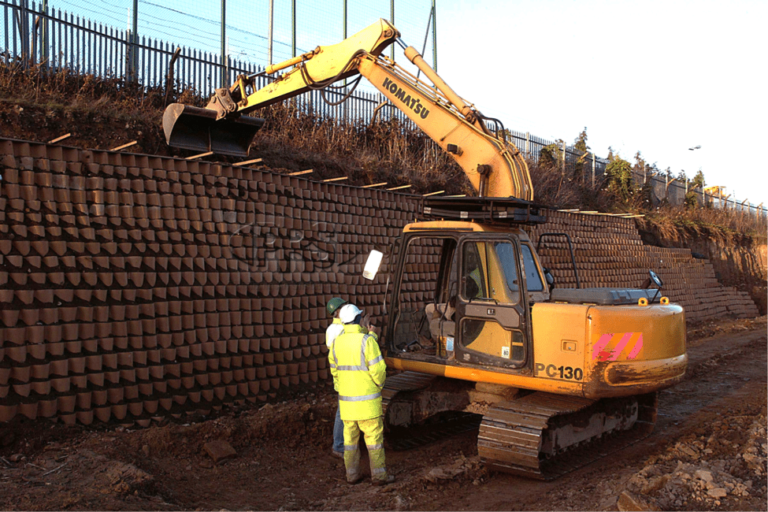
[(197, 129)]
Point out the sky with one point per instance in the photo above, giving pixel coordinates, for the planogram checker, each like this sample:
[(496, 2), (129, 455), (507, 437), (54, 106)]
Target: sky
[(657, 77)]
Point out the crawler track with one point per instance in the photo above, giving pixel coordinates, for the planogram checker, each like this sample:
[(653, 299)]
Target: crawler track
[(521, 437), (406, 381)]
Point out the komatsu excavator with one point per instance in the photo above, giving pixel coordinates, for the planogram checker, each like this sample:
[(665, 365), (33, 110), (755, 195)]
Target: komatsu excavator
[(560, 376)]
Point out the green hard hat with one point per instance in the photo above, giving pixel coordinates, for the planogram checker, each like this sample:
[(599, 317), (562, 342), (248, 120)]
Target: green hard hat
[(334, 304)]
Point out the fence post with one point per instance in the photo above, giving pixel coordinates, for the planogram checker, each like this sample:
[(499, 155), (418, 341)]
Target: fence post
[(345, 19), (392, 21), (131, 49), (271, 27), (528, 144), (128, 55), (44, 28), (223, 74), (135, 33), (24, 32), (434, 35), (5, 31), (345, 105), (293, 28), (563, 169)]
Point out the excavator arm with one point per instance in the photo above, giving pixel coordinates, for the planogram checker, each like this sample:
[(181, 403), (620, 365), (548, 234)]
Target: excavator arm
[(493, 165)]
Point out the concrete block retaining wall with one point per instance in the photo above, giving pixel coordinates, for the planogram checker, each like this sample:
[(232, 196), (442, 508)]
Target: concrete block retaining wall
[(134, 287)]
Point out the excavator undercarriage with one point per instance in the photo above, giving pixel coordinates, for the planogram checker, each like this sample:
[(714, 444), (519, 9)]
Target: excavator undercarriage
[(537, 435), (544, 436)]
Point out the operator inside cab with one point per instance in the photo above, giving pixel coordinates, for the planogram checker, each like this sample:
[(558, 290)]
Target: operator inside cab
[(473, 274)]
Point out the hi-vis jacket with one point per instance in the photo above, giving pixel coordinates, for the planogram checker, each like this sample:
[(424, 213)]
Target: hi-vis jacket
[(359, 372)]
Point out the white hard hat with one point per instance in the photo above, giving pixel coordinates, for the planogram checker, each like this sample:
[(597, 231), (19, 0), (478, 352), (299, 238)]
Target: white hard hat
[(348, 313)]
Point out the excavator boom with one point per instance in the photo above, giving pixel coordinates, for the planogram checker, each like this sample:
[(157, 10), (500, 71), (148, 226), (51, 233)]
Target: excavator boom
[(494, 166)]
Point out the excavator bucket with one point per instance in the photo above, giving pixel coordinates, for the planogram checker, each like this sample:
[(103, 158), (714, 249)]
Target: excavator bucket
[(197, 129)]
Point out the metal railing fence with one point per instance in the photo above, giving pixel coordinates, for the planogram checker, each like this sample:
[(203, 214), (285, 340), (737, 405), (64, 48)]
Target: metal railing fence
[(34, 34)]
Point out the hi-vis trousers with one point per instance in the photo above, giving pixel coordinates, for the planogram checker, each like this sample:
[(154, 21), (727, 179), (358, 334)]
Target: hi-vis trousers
[(373, 432)]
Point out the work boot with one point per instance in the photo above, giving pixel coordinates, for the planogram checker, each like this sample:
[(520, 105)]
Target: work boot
[(355, 479), (384, 481), (338, 454)]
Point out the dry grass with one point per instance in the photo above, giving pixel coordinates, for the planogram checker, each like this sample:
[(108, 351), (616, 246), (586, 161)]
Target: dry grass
[(41, 105), (99, 112), (103, 112), (677, 223), (72, 90), (384, 152), (564, 189)]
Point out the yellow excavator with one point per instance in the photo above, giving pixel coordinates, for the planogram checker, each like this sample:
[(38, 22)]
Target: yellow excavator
[(474, 323)]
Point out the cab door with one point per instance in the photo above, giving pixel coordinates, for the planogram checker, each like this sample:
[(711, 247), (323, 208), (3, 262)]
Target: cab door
[(492, 305)]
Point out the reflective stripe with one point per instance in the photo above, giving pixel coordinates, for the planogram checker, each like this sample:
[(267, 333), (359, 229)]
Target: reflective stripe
[(350, 448), (378, 471), (362, 351), (376, 360), (333, 365), (352, 368), (359, 398), (375, 446)]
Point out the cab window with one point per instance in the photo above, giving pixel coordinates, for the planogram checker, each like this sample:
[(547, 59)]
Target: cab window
[(506, 254), (489, 272), (532, 276)]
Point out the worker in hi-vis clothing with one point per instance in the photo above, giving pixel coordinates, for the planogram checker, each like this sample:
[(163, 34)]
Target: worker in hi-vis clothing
[(333, 307), (359, 373)]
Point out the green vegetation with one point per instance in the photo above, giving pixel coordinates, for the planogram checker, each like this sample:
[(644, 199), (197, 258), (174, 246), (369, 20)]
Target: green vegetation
[(619, 173), (580, 145)]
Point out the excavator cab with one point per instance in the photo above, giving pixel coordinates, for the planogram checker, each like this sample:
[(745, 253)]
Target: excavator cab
[(474, 308), (462, 291)]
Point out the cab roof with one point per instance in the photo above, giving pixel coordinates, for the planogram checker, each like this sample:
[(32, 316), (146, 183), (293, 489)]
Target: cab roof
[(437, 226)]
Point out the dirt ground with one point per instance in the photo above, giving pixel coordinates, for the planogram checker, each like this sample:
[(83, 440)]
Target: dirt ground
[(708, 452)]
